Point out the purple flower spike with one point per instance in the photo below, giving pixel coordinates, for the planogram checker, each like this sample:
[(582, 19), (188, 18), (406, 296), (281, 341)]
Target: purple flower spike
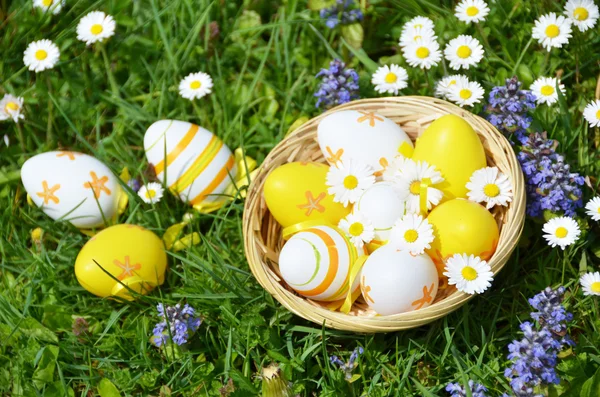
[(341, 13), (181, 322), (338, 85)]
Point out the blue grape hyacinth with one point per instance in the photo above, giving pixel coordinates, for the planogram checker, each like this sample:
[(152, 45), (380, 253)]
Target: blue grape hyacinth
[(458, 390), (342, 12), (181, 322), (348, 367), (338, 85)]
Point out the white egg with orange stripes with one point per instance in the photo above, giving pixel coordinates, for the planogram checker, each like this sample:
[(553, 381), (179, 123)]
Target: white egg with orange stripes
[(73, 187), (190, 160), (382, 206), (394, 281), (316, 263)]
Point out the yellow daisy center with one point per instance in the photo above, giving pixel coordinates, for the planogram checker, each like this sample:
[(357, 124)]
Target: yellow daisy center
[(350, 182), (422, 52), (195, 85), (463, 51), (561, 232), (452, 82), (595, 287), (581, 14), (552, 31), (417, 38), (547, 90), (96, 29), (472, 11), (411, 235), (151, 193), (599, 210), (491, 190), (598, 114), (12, 106), (40, 55), (418, 25), (415, 187), (47, 3), (465, 93), (356, 229), (391, 78), (469, 273)]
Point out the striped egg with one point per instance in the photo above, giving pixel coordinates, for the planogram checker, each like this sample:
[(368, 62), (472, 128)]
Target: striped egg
[(381, 205), (316, 263), (190, 160)]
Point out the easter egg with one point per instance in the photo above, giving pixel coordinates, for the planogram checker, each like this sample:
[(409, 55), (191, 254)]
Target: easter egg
[(363, 136), (451, 144), (130, 254), (296, 192), (462, 227), (381, 205), (72, 186), (195, 164), (316, 263), (395, 282)]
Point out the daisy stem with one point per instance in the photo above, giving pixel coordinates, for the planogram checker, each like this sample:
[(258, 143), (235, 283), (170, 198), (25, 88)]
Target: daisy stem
[(111, 78), (427, 79), (21, 137), (545, 63), (485, 41), (49, 135)]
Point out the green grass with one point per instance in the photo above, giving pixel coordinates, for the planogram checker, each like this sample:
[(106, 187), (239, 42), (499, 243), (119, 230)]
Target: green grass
[(264, 81)]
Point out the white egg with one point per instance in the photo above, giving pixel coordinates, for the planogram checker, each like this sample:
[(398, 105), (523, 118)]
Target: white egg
[(316, 263), (72, 186), (364, 136), (381, 205), (395, 282), (190, 160)]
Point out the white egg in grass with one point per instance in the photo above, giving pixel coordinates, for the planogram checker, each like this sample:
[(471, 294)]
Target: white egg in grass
[(394, 281), (381, 205)]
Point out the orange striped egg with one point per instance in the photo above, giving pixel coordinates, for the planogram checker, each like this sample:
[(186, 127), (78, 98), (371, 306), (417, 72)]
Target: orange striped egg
[(190, 160), (316, 263)]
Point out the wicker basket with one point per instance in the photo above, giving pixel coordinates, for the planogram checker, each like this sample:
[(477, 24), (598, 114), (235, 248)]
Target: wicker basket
[(262, 234)]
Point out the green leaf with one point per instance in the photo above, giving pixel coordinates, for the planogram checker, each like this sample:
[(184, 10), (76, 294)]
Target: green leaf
[(317, 5), (362, 56), (354, 378), (353, 34), (107, 389), (591, 388), (44, 372), (31, 327)]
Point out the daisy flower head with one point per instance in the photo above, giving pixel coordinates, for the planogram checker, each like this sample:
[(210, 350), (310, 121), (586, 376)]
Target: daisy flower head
[(491, 186), (442, 88), (465, 93), (544, 90), (593, 208), (390, 79), (95, 27), (410, 34), (463, 52), (552, 30), (412, 233), (590, 282), (592, 113), (358, 229), (423, 53), (195, 86), (419, 22), (469, 273), (41, 55), (151, 193), (561, 231), (347, 181), (472, 11), (582, 13), (11, 108), (409, 185), (53, 6), (393, 170)]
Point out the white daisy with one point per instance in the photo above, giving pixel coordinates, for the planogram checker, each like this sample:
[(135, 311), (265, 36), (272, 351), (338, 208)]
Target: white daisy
[(590, 282), (471, 11), (409, 185), (544, 90), (412, 233), (463, 52), (423, 53), (54, 6), (443, 86), (10, 108), (465, 93), (582, 13), (561, 231), (419, 22), (95, 27), (195, 86), (469, 273), (151, 193), (358, 228), (489, 185), (390, 79), (410, 34), (593, 208), (552, 30), (392, 171), (592, 113), (347, 181), (41, 55)]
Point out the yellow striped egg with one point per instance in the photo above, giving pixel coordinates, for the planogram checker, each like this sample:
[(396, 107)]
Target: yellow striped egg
[(190, 160), (316, 263)]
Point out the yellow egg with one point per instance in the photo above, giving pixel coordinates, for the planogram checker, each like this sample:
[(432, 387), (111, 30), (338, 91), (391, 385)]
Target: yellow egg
[(451, 144), (131, 254), (296, 192), (462, 227)]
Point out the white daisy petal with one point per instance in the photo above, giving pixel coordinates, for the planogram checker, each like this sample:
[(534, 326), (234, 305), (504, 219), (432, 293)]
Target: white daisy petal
[(472, 11), (562, 231), (410, 34), (491, 186), (408, 184), (347, 181), (95, 27), (463, 52), (412, 233), (195, 86), (552, 30), (442, 88), (358, 229), (469, 273), (592, 113), (41, 55), (544, 90), (590, 282), (582, 13), (151, 193), (390, 79), (593, 208), (419, 22), (423, 53), (53, 6), (11, 107), (465, 93), (392, 171)]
